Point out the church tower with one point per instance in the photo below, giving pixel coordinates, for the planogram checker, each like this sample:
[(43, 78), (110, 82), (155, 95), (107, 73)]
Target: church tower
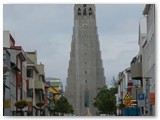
[(85, 73)]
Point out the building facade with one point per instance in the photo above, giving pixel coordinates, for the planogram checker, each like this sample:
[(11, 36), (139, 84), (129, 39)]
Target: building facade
[(127, 85), (56, 87), (15, 79), (143, 65), (35, 83), (85, 72), (149, 55), (23, 79)]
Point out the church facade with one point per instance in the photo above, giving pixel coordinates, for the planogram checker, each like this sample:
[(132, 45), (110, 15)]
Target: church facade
[(85, 72)]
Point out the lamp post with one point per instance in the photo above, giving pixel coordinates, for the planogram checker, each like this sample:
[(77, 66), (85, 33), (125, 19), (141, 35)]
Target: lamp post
[(147, 97), (136, 100), (32, 100)]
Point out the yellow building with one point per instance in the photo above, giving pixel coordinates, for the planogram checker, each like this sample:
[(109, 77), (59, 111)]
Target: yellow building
[(56, 87), (55, 92)]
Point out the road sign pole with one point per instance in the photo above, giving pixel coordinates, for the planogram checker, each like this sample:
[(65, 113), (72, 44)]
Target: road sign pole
[(137, 101)]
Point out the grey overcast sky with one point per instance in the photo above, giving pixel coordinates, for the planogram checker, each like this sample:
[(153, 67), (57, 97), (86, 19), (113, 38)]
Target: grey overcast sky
[(48, 29)]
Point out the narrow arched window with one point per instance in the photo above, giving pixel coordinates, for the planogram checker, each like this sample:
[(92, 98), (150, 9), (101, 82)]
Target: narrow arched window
[(79, 11), (84, 11), (90, 11)]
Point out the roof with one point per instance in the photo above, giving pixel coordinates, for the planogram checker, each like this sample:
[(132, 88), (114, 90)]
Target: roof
[(146, 9), (54, 90), (51, 78), (54, 84), (12, 39)]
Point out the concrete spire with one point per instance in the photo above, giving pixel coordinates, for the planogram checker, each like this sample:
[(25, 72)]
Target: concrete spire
[(85, 65)]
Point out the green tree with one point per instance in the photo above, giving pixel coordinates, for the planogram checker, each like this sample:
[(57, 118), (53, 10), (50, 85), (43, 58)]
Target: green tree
[(106, 101), (62, 106)]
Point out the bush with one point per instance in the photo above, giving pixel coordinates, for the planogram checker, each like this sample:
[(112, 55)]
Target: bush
[(21, 104), (40, 104)]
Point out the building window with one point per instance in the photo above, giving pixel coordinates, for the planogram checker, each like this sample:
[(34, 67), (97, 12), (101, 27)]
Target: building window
[(79, 11), (84, 5), (29, 93), (41, 77), (30, 73), (86, 81), (85, 72), (84, 11), (90, 11)]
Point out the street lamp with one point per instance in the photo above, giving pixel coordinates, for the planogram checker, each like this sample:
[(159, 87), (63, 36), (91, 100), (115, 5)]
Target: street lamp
[(147, 105), (147, 96), (32, 101), (136, 86)]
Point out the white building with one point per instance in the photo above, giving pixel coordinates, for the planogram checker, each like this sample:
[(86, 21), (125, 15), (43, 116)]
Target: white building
[(143, 65), (126, 85), (148, 56), (15, 79)]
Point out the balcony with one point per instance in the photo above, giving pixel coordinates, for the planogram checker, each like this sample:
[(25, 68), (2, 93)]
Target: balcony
[(6, 61), (136, 70), (39, 85)]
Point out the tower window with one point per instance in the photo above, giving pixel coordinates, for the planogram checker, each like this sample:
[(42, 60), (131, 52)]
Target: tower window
[(79, 11), (90, 11), (85, 72), (84, 5), (84, 11), (86, 81)]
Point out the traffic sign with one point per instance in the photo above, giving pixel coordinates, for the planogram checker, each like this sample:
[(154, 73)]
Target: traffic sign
[(127, 97), (127, 103), (141, 100), (141, 96), (133, 102)]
